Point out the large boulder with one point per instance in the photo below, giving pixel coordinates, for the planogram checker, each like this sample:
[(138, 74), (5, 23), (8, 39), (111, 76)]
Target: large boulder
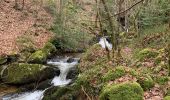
[(147, 53), (123, 91), (60, 93), (40, 56), (22, 73)]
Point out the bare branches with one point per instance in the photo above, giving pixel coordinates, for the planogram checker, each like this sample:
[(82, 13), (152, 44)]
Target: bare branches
[(128, 8)]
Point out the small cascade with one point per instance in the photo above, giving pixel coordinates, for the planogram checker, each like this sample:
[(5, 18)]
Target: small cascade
[(104, 43), (36, 95), (64, 65)]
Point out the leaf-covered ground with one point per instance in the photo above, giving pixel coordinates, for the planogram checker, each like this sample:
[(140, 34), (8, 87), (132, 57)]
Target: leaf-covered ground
[(15, 23)]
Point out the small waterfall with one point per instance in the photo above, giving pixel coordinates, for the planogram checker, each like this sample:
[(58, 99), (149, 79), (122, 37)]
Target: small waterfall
[(64, 65), (104, 43)]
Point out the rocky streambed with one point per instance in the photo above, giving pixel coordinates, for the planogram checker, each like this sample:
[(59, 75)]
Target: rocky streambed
[(59, 71)]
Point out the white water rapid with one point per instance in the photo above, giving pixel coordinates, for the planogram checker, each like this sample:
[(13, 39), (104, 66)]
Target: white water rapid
[(104, 43), (60, 80)]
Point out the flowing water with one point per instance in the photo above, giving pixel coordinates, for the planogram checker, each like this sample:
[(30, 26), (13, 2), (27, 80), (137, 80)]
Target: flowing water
[(64, 65), (104, 43)]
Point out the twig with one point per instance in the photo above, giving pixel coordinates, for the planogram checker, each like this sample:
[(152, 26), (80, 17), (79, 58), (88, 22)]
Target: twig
[(128, 8), (85, 93)]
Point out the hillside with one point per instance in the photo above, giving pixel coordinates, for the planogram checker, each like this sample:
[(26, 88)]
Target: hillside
[(16, 23)]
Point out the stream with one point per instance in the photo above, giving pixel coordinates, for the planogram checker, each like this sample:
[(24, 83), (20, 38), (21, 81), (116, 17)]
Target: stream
[(64, 64)]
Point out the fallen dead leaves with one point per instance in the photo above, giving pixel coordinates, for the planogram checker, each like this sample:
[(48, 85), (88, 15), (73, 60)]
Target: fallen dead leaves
[(14, 23)]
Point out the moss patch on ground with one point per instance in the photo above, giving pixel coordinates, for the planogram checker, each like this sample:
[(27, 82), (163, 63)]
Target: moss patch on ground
[(123, 91)]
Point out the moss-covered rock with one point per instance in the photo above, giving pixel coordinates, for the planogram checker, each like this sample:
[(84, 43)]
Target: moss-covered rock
[(123, 91), (113, 74), (147, 53), (146, 82), (59, 93), (3, 60), (21, 73), (49, 48), (167, 98), (38, 57)]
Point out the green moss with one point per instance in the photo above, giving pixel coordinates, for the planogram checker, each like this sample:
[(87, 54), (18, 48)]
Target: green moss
[(168, 92), (25, 73), (167, 98), (146, 54), (38, 57), (146, 82), (49, 48), (60, 93), (133, 72), (113, 74), (162, 79), (123, 91), (3, 60)]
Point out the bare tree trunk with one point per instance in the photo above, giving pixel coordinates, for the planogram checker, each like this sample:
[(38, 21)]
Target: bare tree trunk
[(101, 30), (126, 17), (113, 35)]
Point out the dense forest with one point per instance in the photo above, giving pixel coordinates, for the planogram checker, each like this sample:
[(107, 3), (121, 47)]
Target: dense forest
[(84, 49)]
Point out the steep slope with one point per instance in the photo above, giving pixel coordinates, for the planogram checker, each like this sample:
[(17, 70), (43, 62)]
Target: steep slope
[(32, 21)]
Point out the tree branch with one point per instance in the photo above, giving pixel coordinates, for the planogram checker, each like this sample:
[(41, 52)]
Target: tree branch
[(128, 8)]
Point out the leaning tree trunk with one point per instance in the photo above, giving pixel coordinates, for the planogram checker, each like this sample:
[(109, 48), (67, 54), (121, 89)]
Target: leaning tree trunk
[(113, 35)]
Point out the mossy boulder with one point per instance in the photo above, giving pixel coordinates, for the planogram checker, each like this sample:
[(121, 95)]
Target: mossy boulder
[(59, 93), (3, 60), (147, 53), (146, 82), (38, 57), (123, 91), (167, 98), (113, 74), (49, 48), (22, 73)]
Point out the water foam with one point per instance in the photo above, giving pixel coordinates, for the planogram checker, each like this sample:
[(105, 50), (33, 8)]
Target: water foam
[(36, 95), (60, 80), (104, 43)]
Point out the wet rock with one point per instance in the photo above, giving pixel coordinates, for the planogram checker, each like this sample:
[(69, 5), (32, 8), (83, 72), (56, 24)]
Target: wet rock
[(70, 60), (61, 93), (23, 73), (72, 74), (38, 85)]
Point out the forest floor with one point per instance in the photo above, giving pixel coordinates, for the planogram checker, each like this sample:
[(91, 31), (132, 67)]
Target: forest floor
[(16, 23)]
